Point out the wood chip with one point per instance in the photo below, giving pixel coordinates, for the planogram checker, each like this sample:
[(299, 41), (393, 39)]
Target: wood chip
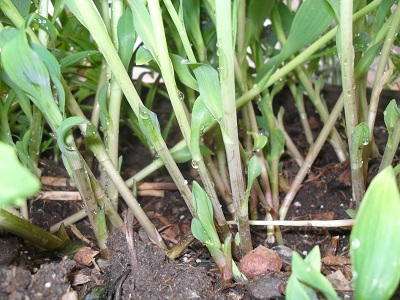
[(336, 260)]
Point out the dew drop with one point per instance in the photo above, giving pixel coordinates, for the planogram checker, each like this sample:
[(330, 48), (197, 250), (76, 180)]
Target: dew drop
[(181, 95), (195, 164), (354, 275), (185, 182), (144, 115), (355, 244)]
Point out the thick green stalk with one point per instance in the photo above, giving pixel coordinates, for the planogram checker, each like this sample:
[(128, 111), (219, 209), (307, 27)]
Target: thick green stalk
[(310, 158), (28, 231), (347, 66), (112, 138), (177, 104), (227, 81), (87, 13)]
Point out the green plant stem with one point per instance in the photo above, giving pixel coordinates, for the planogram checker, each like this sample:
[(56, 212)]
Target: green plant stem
[(311, 156), (299, 100), (223, 190), (100, 152), (347, 66), (315, 98), (98, 30), (76, 217), (227, 81), (155, 165), (383, 57), (181, 29), (290, 146), (112, 138), (300, 58), (180, 112), (28, 231), (391, 146), (95, 117)]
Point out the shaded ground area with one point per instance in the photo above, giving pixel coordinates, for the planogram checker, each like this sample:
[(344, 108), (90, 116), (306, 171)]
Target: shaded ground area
[(138, 270)]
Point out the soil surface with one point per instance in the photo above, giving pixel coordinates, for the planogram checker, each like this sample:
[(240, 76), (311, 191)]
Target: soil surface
[(138, 270)]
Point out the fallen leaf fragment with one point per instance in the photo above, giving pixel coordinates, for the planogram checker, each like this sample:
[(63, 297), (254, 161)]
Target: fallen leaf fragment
[(259, 261), (85, 256), (336, 260)]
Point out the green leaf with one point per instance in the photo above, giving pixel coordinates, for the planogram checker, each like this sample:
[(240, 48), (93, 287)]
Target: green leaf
[(260, 140), (64, 129), (278, 143), (312, 277), (360, 136), (257, 12), (204, 212), (143, 25), (390, 115), (191, 16), (23, 7), (312, 19), (375, 243), (382, 11), (182, 70), (26, 69), (198, 231), (143, 56), (335, 4), (46, 25), (295, 290), (367, 59), (126, 37), (16, 182), (210, 90), (313, 258), (201, 118), (253, 171), (73, 58)]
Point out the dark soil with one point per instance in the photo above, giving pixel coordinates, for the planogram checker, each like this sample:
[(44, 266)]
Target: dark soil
[(142, 271)]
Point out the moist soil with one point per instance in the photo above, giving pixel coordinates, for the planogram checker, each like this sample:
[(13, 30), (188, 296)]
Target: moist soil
[(136, 269)]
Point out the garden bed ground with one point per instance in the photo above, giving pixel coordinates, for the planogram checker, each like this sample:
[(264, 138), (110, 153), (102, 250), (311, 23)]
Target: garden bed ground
[(148, 274)]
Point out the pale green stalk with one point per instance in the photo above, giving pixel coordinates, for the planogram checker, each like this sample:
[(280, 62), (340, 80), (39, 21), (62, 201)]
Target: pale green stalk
[(383, 58), (112, 138), (177, 104), (347, 65), (97, 147), (290, 146), (72, 219), (300, 58), (310, 158), (103, 78), (220, 186), (181, 29), (299, 100), (391, 146), (227, 81), (155, 165), (312, 93), (89, 16)]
